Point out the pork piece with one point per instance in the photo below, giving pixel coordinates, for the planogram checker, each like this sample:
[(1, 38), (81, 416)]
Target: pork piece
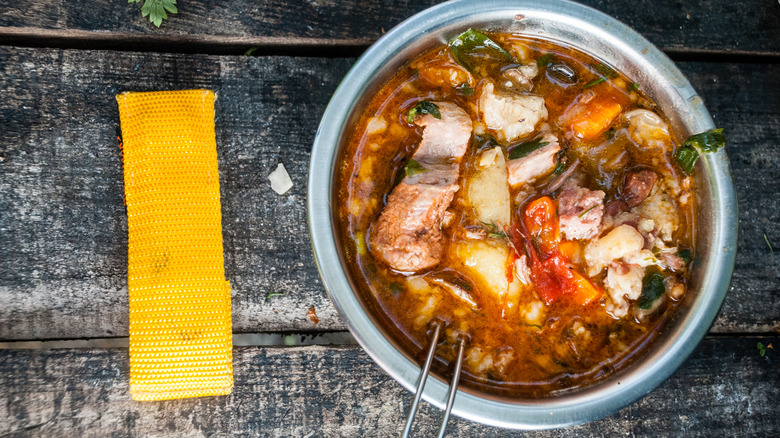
[(580, 211), (525, 170), (510, 116), (637, 186), (407, 235), (623, 282)]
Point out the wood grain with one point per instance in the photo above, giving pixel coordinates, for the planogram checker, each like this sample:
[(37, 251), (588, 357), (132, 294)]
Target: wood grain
[(231, 26), (319, 391), (63, 224)]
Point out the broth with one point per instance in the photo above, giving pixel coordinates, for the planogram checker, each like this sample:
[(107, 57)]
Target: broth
[(555, 297)]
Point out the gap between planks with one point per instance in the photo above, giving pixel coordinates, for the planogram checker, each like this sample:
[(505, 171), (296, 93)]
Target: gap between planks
[(338, 338), (274, 46)]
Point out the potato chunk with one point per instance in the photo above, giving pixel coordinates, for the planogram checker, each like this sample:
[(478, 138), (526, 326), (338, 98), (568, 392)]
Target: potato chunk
[(488, 189)]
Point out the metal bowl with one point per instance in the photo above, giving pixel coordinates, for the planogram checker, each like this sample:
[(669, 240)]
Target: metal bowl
[(616, 44)]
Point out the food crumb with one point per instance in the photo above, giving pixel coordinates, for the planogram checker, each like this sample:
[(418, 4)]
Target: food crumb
[(312, 315), (280, 180)]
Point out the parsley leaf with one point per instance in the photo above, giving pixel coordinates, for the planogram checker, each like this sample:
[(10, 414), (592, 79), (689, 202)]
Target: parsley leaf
[(652, 289), (413, 168), (526, 148), (423, 107), (157, 10), (634, 86), (761, 349)]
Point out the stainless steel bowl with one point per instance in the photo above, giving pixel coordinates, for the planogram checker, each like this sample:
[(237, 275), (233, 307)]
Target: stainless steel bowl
[(613, 42)]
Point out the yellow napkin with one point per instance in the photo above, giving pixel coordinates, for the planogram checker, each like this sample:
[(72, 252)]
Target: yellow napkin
[(180, 326)]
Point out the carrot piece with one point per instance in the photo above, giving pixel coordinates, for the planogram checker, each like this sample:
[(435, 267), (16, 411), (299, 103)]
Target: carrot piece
[(571, 251), (598, 116), (585, 291)]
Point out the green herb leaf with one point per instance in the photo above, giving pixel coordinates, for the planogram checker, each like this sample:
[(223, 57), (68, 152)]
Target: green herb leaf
[(604, 70), (413, 168), (686, 156), (493, 231), (545, 60), (423, 107), (396, 288), (634, 86), (652, 289), (708, 141), (766, 239), (686, 255), (157, 10), (477, 53), (250, 51), (465, 89), (596, 82), (273, 294), (761, 349), (526, 148), (484, 141), (586, 211)]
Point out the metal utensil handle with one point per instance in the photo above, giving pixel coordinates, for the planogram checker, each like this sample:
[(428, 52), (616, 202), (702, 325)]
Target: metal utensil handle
[(453, 386), (421, 381)]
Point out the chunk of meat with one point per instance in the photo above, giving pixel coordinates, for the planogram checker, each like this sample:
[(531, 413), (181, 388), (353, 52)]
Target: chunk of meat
[(624, 282), (510, 116), (407, 235), (580, 211), (637, 186), (525, 170), (622, 241)]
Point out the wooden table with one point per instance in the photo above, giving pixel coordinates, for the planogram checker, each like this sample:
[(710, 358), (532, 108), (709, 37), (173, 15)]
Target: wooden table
[(63, 229)]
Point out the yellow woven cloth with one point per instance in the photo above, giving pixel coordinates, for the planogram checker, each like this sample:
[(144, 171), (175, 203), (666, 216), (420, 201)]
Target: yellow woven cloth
[(180, 326)]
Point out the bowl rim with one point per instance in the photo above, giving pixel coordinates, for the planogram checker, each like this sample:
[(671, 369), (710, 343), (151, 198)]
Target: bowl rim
[(606, 397)]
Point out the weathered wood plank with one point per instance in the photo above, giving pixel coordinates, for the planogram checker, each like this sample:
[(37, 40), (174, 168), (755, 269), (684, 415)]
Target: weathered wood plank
[(63, 227), (693, 25), (725, 389)]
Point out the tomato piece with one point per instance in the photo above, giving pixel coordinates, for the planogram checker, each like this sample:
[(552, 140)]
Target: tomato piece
[(541, 221), (547, 285)]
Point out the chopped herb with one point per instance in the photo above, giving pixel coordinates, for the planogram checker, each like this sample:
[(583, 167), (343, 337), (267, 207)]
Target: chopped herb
[(521, 324), (485, 141), (273, 294), (686, 255), (560, 167), (396, 288), (768, 244), (250, 51), (634, 86), (423, 107), (493, 230), (708, 141), (465, 89), (563, 364), (413, 168), (545, 60), (478, 313), (586, 211), (596, 82), (476, 52), (526, 148), (604, 70), (656, 250), (761, 349), (652, 289), (686, 157)]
